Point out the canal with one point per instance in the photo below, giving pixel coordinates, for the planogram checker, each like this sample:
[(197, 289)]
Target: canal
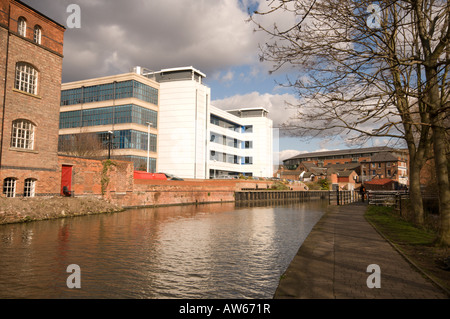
[(205, 251)]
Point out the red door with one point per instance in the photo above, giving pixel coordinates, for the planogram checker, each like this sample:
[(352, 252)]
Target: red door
[(66, 178)]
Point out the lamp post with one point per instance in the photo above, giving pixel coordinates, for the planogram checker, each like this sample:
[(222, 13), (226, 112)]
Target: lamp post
[(109, 143), (148, 146)]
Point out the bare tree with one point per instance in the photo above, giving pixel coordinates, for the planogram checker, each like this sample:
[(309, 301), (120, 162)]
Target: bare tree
[(86, 145), (368, 70)]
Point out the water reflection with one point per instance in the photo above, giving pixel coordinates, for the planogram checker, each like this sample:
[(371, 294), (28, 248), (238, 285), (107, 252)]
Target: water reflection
[(205, 251)]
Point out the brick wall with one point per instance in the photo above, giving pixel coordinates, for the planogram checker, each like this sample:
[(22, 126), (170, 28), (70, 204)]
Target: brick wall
[(47, 182), (52, 33), (42, 109), (3, 40), (382, 169), (125, 191)]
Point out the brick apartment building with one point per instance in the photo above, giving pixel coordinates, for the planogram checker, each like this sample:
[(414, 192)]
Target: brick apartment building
[(367, 164), (31, 55)]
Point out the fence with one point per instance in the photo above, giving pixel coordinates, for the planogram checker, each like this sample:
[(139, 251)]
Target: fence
[(279, 195), (387, 198), (343, 197), (334, 197)]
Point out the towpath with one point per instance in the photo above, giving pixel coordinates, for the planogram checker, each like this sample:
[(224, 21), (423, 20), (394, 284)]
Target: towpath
[(333, 263)]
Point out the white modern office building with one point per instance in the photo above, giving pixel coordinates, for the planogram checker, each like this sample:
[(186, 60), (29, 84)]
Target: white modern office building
[(169, 110), (116, 113), (240, 142), (197, 140)]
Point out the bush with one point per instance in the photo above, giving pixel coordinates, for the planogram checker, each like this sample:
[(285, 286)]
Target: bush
[(324, 184), (279, 186)]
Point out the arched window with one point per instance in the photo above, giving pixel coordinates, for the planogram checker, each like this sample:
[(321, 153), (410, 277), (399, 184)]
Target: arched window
[(37, 34), (26, 78), (29, 187), (22, 134), (9, 187), (22, 26)]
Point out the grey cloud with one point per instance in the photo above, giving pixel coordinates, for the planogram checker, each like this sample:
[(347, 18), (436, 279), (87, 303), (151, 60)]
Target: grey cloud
[(117, 35)]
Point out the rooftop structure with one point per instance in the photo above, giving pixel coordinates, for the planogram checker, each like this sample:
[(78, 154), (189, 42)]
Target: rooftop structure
[(343, 156)]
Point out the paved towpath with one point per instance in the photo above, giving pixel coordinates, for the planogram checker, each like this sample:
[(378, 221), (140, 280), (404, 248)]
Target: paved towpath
[(333, 260)]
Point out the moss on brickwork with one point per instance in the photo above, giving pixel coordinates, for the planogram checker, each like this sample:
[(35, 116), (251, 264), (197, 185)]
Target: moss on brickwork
[(105, 178), (17, 210)]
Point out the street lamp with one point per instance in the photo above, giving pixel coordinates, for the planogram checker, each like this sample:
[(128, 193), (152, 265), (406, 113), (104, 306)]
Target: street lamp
[(148, 146), (109, 143)]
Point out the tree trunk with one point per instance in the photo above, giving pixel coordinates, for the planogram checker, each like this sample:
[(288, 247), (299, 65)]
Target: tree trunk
[(415, 193), (440, 158)]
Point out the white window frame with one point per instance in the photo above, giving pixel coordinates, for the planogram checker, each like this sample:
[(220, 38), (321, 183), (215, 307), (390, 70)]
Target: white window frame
[(9, 187), (26, 78), (37, 35), (22, 135), (22, 26), (29, 187)]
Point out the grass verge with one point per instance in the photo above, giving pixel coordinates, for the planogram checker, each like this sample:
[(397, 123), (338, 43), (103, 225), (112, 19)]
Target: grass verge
[(417, 244)]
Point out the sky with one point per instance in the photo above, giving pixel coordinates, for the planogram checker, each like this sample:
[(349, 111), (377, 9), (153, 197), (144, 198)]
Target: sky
[(213, 36)]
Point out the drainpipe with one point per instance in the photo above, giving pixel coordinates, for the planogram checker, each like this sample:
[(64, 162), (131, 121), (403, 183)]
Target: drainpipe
[(5, 86)]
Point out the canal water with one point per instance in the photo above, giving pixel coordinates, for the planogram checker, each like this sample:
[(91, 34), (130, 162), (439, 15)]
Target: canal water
[(206, 251)]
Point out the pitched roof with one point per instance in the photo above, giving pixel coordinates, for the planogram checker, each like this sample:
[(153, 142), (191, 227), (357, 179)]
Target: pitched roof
[(383, 157), (344, 166), (345, 152), (345, 173), (379, 181)]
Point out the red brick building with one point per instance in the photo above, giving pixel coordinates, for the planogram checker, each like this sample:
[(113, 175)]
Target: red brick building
[(368, 164), (385, 165), (31, 55), (381, 184)]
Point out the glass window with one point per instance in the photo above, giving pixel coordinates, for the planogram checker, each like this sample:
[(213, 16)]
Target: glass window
[(22, 26), (224, 123), (214, 156), (37, 34), (29, 188), (248, 129), (70, 119), (9, 187), (26, 78), (22, 134), (107, 115), (110, 91), (130, 139)]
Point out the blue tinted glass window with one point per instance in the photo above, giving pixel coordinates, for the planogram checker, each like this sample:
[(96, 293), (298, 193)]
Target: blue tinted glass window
[(107, 115), (110, 91)]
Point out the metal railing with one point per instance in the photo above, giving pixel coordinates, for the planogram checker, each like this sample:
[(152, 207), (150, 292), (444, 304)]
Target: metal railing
[(334, 197), (343, 197), (386, 198)]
